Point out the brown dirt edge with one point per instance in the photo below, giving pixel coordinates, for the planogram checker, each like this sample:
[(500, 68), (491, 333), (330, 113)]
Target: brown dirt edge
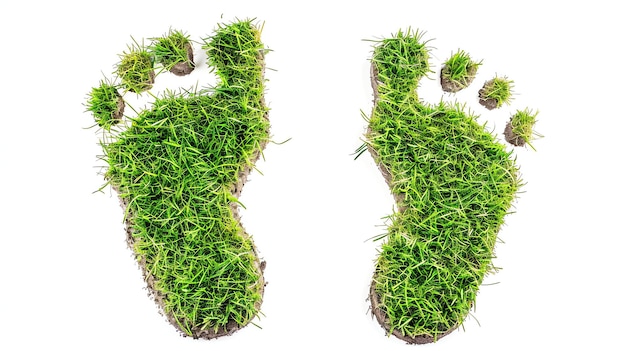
[(399, 198), (511, 137), (119, 110), (382, 319), (451, 86), (376, 309), (231, 326), (184, 68), (489, 103)]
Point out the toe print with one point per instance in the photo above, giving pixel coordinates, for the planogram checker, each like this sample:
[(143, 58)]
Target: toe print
[(136, 69), (458, 72), (519, 130), (496, 92), (178, 168), (174, 52), (453, 183)]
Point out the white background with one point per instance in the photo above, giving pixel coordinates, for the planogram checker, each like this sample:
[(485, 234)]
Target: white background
[(68, 281)]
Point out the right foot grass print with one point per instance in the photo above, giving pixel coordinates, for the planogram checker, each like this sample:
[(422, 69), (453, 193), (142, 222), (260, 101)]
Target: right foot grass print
[(179, 167), (453, 183)]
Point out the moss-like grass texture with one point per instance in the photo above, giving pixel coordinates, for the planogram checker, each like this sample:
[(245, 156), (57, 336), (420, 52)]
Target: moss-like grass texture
[(136, 68), (453, 184), (179, 168)]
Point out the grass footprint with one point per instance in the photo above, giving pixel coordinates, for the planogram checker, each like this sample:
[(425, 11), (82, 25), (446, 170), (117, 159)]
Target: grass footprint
[(179, 167), (453, 183)]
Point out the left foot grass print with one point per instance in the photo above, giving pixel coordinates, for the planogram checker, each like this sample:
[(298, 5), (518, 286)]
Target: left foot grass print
[(179, 167), (453, 183)]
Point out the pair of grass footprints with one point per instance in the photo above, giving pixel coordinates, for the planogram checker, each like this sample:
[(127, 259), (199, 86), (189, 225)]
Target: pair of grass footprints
[(179, 168)]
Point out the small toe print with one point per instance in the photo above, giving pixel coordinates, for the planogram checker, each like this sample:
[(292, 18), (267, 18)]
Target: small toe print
[(496, 92), (458, 72), (519, 131)]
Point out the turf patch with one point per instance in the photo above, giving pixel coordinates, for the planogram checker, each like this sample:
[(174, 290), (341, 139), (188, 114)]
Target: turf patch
[(179, 167), (453, 184)]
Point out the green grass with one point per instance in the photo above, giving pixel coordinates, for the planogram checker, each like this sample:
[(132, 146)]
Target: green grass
[(176, 168), (460, 70), (106, 105), (136, 68), (453, 183), (399, 74), (498, 89), (173, 48), (522, 123)]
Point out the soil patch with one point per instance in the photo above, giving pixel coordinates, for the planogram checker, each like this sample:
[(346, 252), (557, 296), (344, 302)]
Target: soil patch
[(119, 110), (511, 137), (483, 99), (184, 68)]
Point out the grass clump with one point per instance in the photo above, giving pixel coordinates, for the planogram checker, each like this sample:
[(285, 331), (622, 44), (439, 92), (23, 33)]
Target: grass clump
[(453, 184), (136, 68), (458, 72), (400, 62), (178, 169), (174, 51), (235, 65), (496, 92), (106, 104), (519, 130)]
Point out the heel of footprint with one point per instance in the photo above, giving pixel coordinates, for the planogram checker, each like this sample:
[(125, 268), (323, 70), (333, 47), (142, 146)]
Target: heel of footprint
[(178, 168), (453, 183)]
